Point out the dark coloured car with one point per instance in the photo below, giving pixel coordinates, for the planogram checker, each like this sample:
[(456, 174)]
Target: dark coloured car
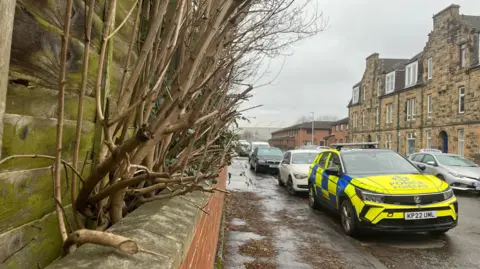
[(266, 159)]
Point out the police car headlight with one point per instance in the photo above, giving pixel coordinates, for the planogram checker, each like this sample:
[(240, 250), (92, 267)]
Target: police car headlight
[(448, 194), (300, 175), (456, 175), (370, 196)]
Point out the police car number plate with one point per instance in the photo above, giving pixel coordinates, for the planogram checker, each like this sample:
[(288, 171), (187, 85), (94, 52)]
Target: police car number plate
[(421, 215), (273, 166)]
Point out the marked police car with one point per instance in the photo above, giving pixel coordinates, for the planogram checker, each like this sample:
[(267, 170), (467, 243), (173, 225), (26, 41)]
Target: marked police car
[(459, 172), (378, 189)]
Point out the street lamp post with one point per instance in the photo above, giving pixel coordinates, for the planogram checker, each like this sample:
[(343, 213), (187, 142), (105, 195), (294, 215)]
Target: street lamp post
[(313, 123)]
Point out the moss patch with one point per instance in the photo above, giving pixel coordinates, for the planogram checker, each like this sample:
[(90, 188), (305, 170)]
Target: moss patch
[(34, 245), (28, 135), (27, 195)]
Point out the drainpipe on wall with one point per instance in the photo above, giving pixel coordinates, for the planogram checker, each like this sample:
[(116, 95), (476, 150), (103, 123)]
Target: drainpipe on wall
[(398, 122), (7, 14)]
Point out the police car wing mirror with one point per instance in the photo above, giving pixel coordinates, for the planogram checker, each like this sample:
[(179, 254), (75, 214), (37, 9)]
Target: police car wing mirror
[(332, 171), (421, 167), (432, 163)]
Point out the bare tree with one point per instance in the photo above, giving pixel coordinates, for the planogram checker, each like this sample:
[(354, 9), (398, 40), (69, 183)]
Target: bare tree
[(327, 118), (303, 119), (247, 135), (182, 90)]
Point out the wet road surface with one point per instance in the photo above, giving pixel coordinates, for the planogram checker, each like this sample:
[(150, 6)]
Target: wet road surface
[(305, 238)]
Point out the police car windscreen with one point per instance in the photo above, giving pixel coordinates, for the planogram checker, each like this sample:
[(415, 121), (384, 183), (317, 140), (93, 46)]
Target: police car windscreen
[(377, 163)]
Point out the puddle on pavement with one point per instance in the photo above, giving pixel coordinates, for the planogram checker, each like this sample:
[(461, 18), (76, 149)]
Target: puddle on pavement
[(238, 222)]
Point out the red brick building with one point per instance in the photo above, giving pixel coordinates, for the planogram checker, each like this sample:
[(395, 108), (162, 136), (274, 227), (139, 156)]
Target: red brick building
[(338, 132), (301, 134)]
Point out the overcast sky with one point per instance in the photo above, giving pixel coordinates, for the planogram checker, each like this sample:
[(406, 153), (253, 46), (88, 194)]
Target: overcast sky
[(320, 74)]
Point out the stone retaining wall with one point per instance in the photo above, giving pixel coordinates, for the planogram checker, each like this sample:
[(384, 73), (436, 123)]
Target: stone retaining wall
[(176, 229)]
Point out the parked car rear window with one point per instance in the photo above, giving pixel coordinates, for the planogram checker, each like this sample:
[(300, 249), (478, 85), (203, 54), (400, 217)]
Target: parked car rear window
[(269, 152), (304, 157), (454, 160)]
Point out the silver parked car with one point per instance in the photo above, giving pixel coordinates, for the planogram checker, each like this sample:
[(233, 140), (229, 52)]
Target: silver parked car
[(458, 171)]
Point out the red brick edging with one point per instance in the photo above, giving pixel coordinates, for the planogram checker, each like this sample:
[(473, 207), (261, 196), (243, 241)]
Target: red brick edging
[(201, 254)]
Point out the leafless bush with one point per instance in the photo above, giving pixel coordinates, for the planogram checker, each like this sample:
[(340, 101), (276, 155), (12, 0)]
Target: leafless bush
[(182, 91)]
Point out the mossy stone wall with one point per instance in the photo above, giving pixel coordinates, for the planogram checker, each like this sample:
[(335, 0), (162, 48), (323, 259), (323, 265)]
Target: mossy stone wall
[(29, 235)]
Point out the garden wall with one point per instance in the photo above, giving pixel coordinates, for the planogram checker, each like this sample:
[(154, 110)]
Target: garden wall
[(29, 236), (181, 235)]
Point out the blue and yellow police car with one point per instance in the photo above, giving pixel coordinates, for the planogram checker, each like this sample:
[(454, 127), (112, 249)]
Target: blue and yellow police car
[(379, 189)]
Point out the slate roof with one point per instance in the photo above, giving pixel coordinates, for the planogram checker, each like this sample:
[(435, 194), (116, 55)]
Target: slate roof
[(318, 125), (344, 120), (474, 21), (389, 65)]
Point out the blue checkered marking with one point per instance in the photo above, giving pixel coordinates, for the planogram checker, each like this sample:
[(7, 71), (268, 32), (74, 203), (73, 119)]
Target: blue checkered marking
[(342, 183)]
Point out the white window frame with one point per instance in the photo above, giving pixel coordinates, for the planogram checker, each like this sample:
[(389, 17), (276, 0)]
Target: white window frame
[(461, 97), (390, 82), (429, 139), (341, 127), (355, 95), (377, 137), (429, 106), (389, 114), (377, 115), (388, 141), (364, 92), (463, 55), (410, 137), (379, 87), (411, 74), (346, 126), (411, 109), (363, 118), (336, 128), (461, 142), (430, 68)]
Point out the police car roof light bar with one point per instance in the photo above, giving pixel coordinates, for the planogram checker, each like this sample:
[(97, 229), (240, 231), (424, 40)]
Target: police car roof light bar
[(365, 145)]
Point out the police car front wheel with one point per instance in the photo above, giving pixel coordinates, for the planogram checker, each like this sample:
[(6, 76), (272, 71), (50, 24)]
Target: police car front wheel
[(349, 218)]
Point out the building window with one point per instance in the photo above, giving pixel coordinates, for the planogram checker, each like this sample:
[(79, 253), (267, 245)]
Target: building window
[(461, 142), (411, 74), (390, 82), (410, 143), (379, 87), (364, 93), (389, 116), (377, 115), (429, 106), (388, 141), (461, 100), (411, 109), (355, 123), (377, 138), (346, 126), (430, 67), (429, 139), (463, 55), (363, 138), (336, 127), (478, 49), (356, 92), (363, 118), (341, 127)]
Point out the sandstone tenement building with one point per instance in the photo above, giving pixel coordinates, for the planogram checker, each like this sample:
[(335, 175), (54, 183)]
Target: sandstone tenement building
[(429, 101)]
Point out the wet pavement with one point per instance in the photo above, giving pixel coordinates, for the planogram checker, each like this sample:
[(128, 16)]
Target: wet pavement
[(305, 238)]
